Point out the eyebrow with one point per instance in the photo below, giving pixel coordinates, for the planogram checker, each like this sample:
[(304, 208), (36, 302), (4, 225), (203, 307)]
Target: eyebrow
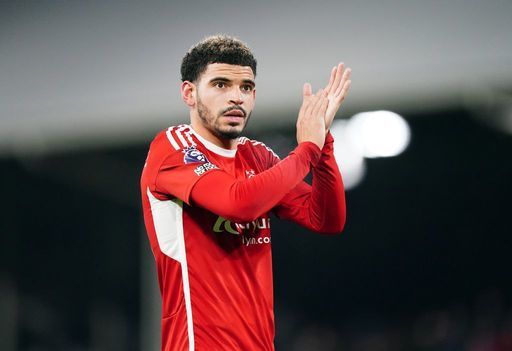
[(223, 79)]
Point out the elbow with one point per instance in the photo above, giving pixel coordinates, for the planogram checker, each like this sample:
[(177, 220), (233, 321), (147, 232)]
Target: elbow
[(337, 229), (336, 224), (331, 227), (339, 225), (329, 218)]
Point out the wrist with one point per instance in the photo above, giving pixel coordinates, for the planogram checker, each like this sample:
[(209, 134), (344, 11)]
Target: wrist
[(329, 138), (309, 152)]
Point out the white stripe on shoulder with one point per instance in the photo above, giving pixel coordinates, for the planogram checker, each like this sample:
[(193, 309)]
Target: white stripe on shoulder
[(171, 138), (179, 133), (188, 134)]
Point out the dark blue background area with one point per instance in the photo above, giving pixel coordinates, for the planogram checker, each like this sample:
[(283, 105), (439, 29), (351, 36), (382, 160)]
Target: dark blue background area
[(427, 230)]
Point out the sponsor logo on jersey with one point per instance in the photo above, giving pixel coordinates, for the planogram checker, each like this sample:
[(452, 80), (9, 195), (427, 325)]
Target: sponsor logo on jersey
[(256, 241), (245, 230), (193, 155), (223, 225)]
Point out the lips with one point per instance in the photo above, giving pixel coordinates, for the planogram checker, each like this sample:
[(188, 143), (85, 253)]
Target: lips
[(235, 113)]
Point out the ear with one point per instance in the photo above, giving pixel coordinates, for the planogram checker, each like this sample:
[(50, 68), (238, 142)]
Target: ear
[(188, 93)]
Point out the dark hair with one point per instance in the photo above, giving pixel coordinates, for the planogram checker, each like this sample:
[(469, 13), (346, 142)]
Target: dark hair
[(215, 49)]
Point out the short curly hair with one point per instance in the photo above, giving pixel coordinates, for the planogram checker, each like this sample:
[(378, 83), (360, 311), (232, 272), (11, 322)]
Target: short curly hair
[(215, 49)]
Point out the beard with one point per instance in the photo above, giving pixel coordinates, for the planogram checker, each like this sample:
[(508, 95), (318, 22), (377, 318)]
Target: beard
[(212, 123)]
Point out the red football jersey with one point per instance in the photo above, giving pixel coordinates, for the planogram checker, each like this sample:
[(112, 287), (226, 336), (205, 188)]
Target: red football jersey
[(214, 264)]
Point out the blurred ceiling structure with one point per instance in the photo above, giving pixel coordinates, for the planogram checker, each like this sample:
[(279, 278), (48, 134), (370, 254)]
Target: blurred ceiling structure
[(77, 73)]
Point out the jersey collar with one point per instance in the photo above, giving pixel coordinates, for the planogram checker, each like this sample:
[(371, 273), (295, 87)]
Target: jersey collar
[(214, 148)]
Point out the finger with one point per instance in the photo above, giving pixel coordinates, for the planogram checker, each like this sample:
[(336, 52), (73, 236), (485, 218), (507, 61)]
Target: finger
[(331, 79), (346, 77), (315, 103), (306, 97), (345, 89), (306, 90), (309, 103), (337, 80), (315, 99), (304, 109), (327, 117)]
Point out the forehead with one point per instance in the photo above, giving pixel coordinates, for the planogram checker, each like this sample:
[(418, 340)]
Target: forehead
[(224, 70)]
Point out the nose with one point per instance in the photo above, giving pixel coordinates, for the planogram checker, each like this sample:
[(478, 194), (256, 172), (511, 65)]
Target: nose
[(236, 97)]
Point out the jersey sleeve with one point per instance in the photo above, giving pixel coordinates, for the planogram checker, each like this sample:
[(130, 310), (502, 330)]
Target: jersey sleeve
[(247, 199), (319, 207), (176, 177)]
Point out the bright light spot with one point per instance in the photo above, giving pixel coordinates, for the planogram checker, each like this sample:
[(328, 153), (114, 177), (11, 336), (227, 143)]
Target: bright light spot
[(350, 160), (367, 134), (379, 133)]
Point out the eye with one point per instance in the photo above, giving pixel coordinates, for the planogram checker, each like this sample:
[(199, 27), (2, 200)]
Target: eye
[(247, 88), (220, 84)]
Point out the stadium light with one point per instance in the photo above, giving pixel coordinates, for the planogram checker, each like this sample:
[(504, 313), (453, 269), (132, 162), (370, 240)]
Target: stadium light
[(367, 134), (379, 133)]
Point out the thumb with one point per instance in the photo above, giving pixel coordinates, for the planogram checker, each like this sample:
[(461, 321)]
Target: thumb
[(306, 90)]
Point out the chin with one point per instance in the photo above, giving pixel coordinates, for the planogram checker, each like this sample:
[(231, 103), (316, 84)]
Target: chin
[(230, 132)]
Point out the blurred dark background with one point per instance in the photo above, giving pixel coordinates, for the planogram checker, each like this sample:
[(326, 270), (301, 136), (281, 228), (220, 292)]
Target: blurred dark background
[(424, 261), (423, 264)]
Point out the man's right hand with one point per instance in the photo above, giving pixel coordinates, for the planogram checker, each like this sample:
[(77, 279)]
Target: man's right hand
[(311, 120)]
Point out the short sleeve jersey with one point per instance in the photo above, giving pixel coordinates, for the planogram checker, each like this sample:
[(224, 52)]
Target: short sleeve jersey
[(215, 276)]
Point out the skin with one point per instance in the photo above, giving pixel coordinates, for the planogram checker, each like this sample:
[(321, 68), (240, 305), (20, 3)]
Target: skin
[(224, 90)]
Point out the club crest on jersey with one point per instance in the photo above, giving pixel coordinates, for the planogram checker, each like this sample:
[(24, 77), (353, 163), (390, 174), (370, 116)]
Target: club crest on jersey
[(250, 173), (193, 155)]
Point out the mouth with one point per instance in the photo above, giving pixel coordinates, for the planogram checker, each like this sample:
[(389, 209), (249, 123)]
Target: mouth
[(234, 121), (235, 113)]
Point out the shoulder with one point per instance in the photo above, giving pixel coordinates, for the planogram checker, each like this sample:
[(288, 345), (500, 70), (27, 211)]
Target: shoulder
[(256, 146), (169, 146), (174, 139), (264, 156)]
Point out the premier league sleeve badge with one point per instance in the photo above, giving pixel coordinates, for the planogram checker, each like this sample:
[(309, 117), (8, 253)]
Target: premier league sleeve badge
[(192, 155)]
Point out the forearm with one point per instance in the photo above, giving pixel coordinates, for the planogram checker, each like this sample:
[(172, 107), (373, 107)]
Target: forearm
[(320, 207), (327, 203), (246, 200)]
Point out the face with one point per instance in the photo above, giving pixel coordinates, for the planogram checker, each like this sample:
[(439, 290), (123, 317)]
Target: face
[(225, 99)]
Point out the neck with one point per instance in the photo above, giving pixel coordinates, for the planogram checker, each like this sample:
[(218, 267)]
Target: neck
[(204, 132)]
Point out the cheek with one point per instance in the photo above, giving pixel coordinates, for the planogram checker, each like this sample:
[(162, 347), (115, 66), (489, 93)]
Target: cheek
[(250, 102), (216, 99), (212, 103)]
